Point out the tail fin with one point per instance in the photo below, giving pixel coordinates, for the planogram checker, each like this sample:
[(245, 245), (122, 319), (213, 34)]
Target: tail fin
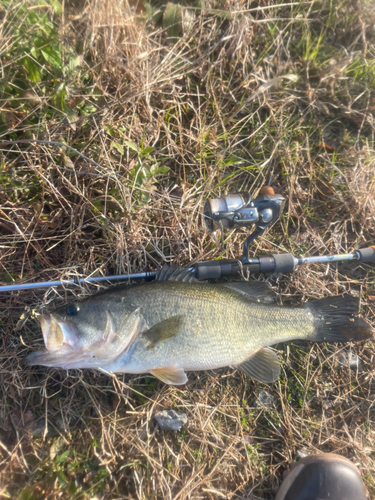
[(336, 320)]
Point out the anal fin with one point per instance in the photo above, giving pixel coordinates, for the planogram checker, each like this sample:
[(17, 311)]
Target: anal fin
[(172, 376), (263, 366)]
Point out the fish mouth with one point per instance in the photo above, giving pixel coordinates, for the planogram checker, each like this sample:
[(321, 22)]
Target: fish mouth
[(57, 333), (61, 342)]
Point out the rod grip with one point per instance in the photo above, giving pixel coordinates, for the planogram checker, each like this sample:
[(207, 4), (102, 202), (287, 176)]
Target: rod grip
[(213, 269), (267, 264), (224, 268), (207, 270), (367, 254), (284, 262)]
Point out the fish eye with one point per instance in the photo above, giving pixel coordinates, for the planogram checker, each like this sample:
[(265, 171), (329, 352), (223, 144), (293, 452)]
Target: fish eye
[(72, 310)]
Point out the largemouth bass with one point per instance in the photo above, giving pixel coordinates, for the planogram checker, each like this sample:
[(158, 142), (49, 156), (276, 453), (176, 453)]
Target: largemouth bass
[(170, 326)]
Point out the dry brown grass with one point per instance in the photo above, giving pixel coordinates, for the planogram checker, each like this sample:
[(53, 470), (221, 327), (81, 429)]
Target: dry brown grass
[(203, 103)]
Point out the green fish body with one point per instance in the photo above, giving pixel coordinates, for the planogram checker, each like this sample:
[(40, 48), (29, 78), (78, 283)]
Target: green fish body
[(168, 328), (205, 326)]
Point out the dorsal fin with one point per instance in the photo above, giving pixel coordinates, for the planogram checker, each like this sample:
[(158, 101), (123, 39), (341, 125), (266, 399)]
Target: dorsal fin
[(258, 291), (172, 273), (164, 272)]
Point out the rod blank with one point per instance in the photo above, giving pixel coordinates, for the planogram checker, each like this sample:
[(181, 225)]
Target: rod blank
[(46, 284)]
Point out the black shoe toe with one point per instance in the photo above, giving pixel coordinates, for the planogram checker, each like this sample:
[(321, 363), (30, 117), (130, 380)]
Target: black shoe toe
[(323, 477)]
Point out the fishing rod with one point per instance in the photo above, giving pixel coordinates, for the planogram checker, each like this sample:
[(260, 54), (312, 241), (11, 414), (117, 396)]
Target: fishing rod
[(274, 264), (229, 211), (240, 210)]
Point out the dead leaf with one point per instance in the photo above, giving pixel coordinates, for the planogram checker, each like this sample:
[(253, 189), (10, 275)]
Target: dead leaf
[(325, 145)]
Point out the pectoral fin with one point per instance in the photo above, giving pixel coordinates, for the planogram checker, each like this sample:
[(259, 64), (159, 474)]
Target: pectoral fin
[(263, 366), (172, 376), (164, 330)]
